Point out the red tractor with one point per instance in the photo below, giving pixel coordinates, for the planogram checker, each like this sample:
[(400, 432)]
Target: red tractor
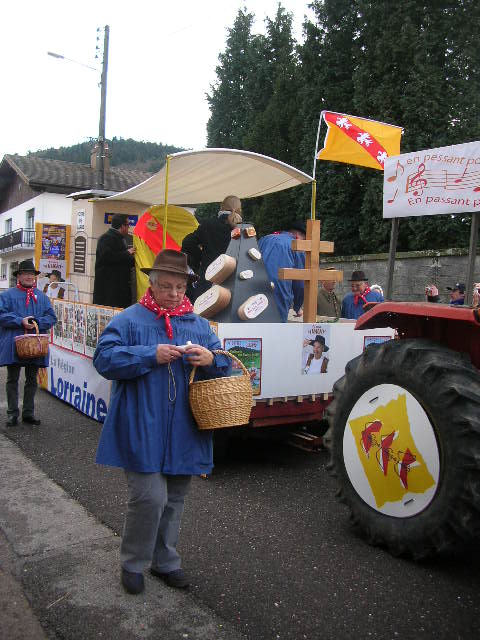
[(404, 435)]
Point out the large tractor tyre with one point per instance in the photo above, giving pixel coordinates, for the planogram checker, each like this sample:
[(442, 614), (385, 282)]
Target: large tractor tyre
[(404, 441)]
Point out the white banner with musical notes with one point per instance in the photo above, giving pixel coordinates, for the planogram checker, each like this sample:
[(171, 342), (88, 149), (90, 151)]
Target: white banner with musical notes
[(433, 181)]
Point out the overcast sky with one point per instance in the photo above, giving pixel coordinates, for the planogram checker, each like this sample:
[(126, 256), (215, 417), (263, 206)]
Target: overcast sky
[(162, 59)]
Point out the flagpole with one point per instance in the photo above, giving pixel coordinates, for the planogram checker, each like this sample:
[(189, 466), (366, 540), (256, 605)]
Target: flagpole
[(314, 182), (167, 171)]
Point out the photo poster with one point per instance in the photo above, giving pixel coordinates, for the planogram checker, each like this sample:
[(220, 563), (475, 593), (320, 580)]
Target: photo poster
[(58, 326), (249, 352), (104, 315), (68, 313), (91, 331), (79, 328), (375, 340), (316, 352), (52, 249)]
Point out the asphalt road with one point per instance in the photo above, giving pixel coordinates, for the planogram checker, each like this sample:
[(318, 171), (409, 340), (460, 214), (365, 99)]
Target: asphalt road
[(267, 546)]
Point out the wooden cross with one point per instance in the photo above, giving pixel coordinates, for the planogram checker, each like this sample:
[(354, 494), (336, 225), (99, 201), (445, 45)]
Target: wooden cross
[(312, 273)]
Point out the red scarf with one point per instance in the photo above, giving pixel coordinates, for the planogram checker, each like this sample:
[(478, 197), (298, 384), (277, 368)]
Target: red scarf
[(29, 291), (184, 307), (361, 297)]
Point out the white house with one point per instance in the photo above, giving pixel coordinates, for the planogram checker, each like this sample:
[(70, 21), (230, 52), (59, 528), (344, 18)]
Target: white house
[(34, 189)]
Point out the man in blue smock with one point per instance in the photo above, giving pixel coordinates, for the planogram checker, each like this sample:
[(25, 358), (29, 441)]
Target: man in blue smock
[(353, 303), (148, 351), (19, 306), (277, 252)]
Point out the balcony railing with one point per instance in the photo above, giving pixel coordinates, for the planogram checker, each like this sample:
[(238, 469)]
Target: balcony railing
[(18, 239)]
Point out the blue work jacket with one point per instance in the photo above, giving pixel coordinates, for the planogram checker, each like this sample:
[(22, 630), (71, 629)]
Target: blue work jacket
[(12, 311), (277, 252), (149, 426), (354, 311)]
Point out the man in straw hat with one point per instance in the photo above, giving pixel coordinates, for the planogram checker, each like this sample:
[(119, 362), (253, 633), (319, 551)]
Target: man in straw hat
[(148, 350), (353, 303), (19, 306)]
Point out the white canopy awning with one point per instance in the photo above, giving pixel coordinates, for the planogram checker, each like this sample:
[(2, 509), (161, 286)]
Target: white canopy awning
[(209, 175)]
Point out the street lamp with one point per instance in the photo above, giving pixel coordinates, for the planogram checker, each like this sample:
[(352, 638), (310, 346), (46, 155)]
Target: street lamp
[(103, 102)]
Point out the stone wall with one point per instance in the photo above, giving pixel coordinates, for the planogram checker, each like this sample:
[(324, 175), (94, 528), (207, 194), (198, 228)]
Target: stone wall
[(413, 270)]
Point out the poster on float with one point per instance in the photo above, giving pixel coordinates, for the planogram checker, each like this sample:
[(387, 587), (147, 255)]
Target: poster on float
[(79, 328), (52, 244), (249, 352)]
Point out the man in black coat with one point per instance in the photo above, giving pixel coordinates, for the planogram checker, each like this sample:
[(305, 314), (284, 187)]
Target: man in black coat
[(113, 265)]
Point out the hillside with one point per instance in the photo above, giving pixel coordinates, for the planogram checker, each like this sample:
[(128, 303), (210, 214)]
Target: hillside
[(128, 154)]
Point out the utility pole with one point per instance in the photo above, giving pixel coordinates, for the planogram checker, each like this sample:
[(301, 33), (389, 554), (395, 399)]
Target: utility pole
[(103, 102)]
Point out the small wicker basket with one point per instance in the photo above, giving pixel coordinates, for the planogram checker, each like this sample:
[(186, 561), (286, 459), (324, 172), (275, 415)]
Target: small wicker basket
[(221, 402), (32, 345)]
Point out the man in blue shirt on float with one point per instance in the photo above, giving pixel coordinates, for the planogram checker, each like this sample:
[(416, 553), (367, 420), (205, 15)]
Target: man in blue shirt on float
[(354, 302), (277, 252)]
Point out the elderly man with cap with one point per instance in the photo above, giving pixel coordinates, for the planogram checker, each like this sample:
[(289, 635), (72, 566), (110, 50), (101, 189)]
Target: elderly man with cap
[(148, 350), (457, 293), (353, 303), (277, 252), (328, 303), (19, 307), (113, 266)]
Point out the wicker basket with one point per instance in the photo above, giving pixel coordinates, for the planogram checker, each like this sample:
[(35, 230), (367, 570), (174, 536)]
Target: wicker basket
[(221, 402), (32, 345)]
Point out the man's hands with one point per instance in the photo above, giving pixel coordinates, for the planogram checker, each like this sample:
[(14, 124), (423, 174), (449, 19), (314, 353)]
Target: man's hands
[(196, 355), (167, 353), (27, 323), (131, 250)]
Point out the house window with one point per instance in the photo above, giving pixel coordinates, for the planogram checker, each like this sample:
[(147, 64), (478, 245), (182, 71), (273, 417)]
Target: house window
[(8, 225), (3, 271), (13, 279), (29, 219)]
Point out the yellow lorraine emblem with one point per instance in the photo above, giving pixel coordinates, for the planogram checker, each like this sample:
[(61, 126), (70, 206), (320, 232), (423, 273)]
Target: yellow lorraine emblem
[(391, 461)]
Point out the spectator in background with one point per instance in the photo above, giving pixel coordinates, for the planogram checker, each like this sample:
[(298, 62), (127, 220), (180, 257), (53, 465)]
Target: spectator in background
[(431, 291), (19, 307), (457, 293), (210, 240), (353, 303), (328, 303), (113, 265), (55, 290), (277, 252)]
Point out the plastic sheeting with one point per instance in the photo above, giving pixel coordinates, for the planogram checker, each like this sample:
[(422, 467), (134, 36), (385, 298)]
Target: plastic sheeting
[(209, 175)]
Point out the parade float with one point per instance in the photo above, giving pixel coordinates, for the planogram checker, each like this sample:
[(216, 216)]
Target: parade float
[(240, 304)]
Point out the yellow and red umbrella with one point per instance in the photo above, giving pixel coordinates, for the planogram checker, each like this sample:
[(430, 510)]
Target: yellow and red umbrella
[(148, 237)]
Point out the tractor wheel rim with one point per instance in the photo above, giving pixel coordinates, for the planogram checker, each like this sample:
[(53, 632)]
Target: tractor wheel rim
[(391, 452)]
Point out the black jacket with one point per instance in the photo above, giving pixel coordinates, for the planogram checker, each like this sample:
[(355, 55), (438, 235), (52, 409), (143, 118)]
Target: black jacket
[(203, 245), (113, 266)]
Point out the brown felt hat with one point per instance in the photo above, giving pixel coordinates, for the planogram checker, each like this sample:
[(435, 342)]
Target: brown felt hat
[(173, 262)]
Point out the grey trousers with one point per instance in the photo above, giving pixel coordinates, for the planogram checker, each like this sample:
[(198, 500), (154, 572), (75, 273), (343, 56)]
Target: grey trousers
[(152, 522), (13, 374)]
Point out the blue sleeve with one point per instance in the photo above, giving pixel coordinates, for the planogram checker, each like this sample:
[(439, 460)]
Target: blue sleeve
[(221, 365), (9, 318), (115, 359), (343, 313), (46, 318)]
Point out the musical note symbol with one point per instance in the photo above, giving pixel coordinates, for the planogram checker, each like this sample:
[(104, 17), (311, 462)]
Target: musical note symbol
[(399, 166), (477, 189), (461, 177), (394, 196), (417, 182)]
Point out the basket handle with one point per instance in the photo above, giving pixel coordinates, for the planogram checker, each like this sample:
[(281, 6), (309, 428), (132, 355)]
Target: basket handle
[(36, 328), (223, 353)]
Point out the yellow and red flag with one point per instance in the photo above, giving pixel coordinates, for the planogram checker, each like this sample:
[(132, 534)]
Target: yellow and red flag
[(148, 237), (353, 140)]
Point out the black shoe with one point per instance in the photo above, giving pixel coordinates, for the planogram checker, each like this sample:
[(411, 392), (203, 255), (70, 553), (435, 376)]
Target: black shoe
[(176, 579), (12, 421), (31, 420), (133, 583)]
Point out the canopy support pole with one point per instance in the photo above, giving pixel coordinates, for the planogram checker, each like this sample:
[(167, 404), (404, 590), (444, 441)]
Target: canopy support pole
[(167, 171), (314, 182), (472, 253), (391, 257)]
